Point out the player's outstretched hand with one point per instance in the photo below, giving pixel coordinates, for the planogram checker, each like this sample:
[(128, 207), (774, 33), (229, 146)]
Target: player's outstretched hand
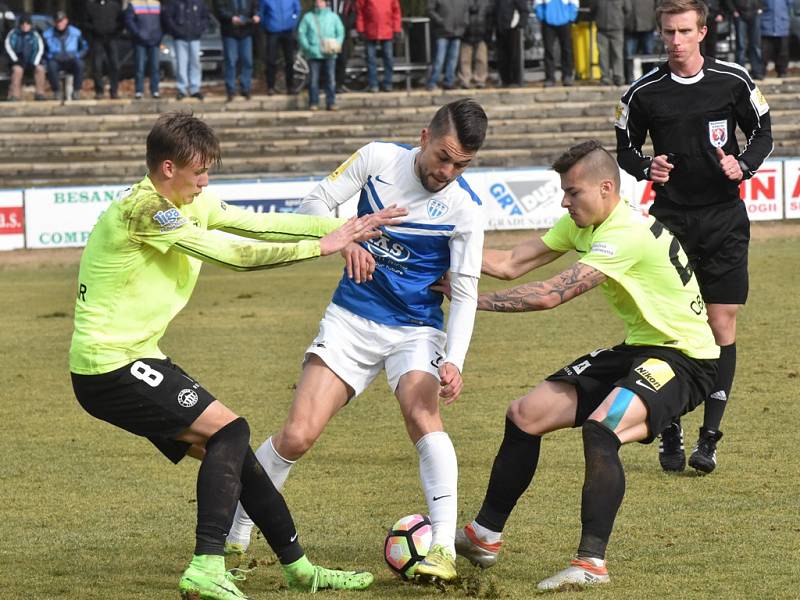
[(360, 264), (729, 165), (386, 216), (451, 382), (660, 168), (360, 229), (443, 286)]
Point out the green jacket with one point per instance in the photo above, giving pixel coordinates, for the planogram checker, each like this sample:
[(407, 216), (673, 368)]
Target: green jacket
[(308, 35)]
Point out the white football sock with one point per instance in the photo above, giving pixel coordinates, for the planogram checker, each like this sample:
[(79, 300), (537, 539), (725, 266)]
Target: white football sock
[(277, 468), (438, 472)]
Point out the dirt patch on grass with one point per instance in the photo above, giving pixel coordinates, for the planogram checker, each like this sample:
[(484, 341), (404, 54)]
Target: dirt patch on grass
[(41, 258)]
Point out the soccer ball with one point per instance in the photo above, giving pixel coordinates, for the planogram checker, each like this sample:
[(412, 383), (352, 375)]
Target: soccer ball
[(407, 543)]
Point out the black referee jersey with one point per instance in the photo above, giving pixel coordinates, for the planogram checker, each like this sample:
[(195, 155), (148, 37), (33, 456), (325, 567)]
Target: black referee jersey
[(688, 118)]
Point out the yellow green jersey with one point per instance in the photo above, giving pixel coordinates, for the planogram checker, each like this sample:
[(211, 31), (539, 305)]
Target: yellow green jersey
[(649, 283), (143, 257)]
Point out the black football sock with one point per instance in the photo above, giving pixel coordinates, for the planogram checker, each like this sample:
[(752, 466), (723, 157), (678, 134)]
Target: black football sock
[(218, 486), (512, 473), (603, 488), (268, 510), (721, 392)]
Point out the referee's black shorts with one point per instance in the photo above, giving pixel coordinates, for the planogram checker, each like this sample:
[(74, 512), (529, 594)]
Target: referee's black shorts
[(669, 382), (716, 240), (152, 398)]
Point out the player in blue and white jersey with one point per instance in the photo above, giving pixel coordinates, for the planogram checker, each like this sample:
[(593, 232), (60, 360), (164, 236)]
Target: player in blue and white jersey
[(385, 316)]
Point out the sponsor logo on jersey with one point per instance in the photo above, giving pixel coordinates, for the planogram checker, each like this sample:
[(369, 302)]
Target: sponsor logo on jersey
[(718, 133), (436, 208), (342, 167), (654, 374), (720, 395), (187, 398), (621, 115), (387, 248), (759, 102), (383, 181), (604, 249), (170, 219)]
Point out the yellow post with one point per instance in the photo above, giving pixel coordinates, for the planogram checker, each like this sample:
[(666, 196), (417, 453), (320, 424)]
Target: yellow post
[(584, 48)]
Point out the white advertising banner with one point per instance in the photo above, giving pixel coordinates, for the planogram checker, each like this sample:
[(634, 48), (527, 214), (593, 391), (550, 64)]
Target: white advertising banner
[(63, 217), (512, 199), (518, 198), (12, 220), (763, 193), (791, 188)]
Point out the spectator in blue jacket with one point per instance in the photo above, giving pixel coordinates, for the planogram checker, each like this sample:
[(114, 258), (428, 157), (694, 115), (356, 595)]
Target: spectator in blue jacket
[(25, 48), (279, 19), (775, 34), (556, 16), (186, 21), (65, 51), (238, 20), (143, 21), (319, 24)]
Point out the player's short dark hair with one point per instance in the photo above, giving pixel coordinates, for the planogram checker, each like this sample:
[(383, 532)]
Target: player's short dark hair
[(599, 161), (466, 118), (676, 7), (181, 137)]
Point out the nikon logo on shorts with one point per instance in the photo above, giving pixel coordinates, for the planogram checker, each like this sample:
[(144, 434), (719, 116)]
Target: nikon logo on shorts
[(655, 372)]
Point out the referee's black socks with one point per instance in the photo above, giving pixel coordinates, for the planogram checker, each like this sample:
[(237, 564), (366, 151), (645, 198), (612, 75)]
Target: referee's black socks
[(603, 488), (721, 392), (512, 473)]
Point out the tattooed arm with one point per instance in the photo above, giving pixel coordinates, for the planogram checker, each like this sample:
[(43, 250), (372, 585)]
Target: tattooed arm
[(541, 295)]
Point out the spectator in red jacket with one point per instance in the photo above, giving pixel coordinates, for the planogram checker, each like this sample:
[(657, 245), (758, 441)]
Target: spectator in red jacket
[(378, 22)]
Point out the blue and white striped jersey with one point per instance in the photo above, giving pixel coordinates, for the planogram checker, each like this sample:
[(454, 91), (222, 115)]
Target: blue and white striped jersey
[(442, 231)]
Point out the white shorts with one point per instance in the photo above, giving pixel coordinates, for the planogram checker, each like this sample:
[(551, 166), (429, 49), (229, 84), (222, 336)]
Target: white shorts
[(356, 349)]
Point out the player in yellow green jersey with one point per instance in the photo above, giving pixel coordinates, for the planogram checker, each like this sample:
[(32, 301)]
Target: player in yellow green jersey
[(626, 393), (137, 272)]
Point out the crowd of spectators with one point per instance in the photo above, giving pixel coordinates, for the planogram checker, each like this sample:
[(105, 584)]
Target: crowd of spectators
[(465, 35)]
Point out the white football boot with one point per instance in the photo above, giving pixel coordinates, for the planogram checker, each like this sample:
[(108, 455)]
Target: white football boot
[(470, 546), (581, 571)]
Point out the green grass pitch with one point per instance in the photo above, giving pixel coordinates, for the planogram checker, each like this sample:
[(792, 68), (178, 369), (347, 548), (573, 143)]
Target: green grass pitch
[(90, 512)]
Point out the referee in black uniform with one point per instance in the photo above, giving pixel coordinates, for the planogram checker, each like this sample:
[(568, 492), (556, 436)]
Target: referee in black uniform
[(691, 106)]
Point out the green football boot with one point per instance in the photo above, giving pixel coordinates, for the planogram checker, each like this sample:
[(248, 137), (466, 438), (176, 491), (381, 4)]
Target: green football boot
[(302, 576), (438, 565), (206, 579)]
